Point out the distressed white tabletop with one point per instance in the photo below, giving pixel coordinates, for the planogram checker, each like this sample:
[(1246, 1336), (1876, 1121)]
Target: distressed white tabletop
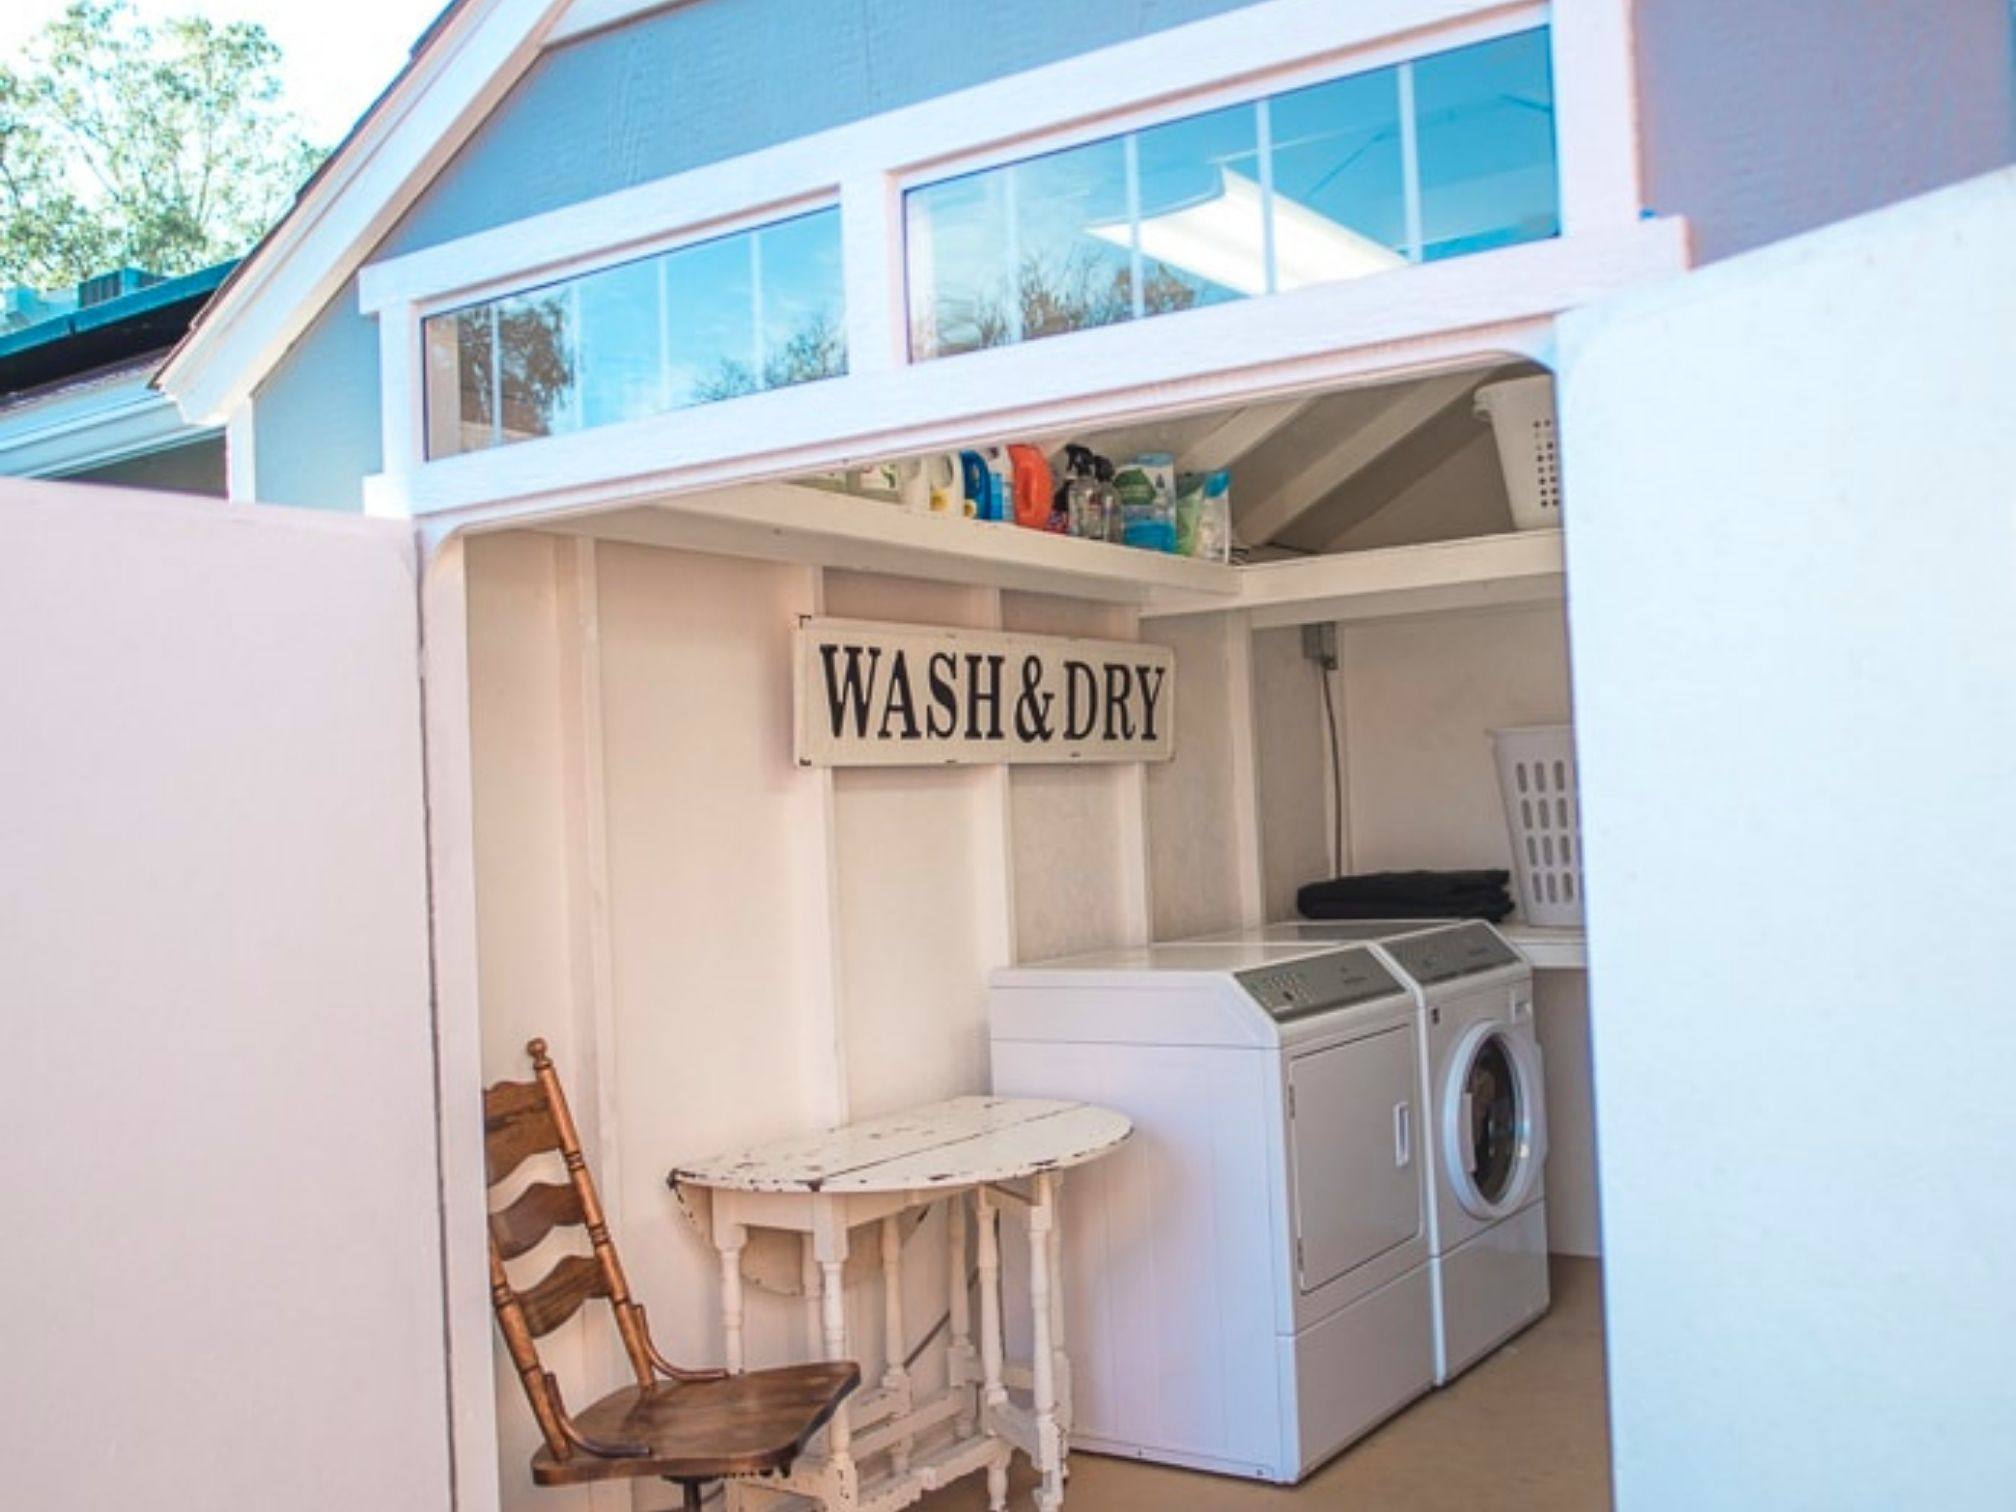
[(961, 1142)]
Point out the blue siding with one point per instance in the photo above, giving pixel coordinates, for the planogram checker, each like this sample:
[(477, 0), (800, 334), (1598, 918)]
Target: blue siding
[(315, 419), (705, 82)]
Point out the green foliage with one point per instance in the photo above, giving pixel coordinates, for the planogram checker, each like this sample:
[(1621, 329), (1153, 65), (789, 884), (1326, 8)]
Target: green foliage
[(164, 147)]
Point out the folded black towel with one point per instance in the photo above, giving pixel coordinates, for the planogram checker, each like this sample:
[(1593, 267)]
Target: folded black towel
[(1490, 908), (1411, 894), (1427, 886)]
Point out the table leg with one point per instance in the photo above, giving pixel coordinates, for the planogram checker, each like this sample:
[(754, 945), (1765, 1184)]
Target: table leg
[(1042, 1365), (1058, 1353), (815, 1322), (993, 1390), (729, 1238), (895, 1370), (959, 1374), (829, 1239)]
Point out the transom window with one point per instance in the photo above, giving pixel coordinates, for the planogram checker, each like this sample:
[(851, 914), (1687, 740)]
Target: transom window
[(760, 309), (1437, 157)]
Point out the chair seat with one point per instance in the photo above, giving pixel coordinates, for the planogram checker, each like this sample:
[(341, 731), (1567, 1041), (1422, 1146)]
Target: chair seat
[(747, 1424)]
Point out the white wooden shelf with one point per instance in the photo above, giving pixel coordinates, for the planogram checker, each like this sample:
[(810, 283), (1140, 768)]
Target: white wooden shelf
[(1548, 949), (1521, 568), (791, 522)]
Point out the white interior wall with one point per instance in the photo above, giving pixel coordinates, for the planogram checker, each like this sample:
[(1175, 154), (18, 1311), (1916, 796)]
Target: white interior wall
[(1203, 819), (224, 1274), (1076, 831), (1291, 737), (784, 947)]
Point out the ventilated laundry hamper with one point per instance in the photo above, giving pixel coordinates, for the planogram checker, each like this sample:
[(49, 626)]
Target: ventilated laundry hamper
[(1536, 775), (1521, 412)]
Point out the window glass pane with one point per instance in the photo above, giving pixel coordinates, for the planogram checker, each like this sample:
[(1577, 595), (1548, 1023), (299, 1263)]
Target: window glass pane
[(759, 309), (1485, 120), (535, 364), (620, 332), (1203, 236), (804, 324), (1340, 201), (956, 247), (1071, 249), (711, 321), (460, 397)]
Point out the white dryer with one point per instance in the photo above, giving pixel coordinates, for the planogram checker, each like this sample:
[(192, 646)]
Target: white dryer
[(1483, 1084), (1248, 1281)]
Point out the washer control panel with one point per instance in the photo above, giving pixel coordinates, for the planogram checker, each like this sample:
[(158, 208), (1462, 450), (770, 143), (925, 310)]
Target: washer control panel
[(1444, 955), (1318, 984)]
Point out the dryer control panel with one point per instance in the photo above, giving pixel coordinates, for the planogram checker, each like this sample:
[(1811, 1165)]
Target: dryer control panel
[(1443, 955), (1318, 984)]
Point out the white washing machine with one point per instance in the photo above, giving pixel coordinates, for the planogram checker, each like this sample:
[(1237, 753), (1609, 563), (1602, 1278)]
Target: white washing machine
[(1247, 1279), (1484, 1087)]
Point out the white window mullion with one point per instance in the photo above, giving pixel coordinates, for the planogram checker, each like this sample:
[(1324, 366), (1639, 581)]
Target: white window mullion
[(1263, 140), (874, 296), (1410, 162), (756, 339), (1132, 153), (1012, 249)]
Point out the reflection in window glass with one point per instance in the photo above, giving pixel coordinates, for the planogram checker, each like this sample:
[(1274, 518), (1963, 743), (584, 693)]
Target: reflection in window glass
[(757, 310), (1202, 223), (1034, 249), (622, 364), (799, 263), (1485, 118), (535, 365), (1340, 180), (1340, 197), (1070, 242), (711, 321)]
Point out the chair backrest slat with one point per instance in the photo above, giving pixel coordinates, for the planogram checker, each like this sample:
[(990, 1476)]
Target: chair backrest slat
[(538, 1210), (517, 1124), (558, 1294)]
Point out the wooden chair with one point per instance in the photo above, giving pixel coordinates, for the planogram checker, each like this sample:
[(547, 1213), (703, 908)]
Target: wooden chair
[(688, 1426)]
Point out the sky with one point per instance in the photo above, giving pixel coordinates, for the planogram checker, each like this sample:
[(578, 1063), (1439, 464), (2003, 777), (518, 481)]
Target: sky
[(338, 55)]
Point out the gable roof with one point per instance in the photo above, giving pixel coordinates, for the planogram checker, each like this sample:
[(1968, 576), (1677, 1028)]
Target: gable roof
[(458, 71)]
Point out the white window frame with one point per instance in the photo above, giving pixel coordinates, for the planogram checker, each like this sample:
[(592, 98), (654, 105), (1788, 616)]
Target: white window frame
[(1436, 315)]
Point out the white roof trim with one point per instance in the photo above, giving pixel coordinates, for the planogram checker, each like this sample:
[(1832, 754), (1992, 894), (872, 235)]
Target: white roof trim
[(408, 137), (109, 418), (585, 16)]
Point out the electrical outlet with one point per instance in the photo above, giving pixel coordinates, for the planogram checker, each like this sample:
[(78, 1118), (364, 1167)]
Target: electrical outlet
[(1319, 644)]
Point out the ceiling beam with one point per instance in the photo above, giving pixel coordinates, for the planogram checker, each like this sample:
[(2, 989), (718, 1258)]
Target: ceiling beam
[(1410, 408), (1225, 443)]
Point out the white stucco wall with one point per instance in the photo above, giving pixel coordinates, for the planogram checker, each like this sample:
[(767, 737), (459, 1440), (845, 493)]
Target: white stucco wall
[(223, 1270), (1794, 639)]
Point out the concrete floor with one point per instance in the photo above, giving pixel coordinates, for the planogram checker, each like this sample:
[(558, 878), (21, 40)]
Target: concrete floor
[(1524, 1431)]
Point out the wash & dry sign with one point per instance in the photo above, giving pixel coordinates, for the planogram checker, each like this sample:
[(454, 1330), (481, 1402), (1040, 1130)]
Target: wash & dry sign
[(911, 695)]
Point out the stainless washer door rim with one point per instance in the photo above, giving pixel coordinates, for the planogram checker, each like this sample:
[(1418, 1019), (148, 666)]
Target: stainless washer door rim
[(1523, 1136)]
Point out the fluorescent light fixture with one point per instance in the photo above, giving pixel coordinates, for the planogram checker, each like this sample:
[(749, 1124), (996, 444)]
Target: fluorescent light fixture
[(1221, 241)]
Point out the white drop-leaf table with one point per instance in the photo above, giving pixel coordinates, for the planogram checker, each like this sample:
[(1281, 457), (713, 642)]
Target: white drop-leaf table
[(821, 1186)]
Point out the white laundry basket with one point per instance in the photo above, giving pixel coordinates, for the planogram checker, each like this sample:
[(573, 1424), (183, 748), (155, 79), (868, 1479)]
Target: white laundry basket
[(1521, 412), (1536, 775)]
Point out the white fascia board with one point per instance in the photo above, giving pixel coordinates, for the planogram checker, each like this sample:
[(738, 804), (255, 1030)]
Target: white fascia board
[(585, 16), (93, 424), (406, 139), (1467, 311), (1258, 49)]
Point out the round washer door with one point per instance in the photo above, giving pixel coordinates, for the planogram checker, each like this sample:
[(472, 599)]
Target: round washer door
[(1494, 1122)]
